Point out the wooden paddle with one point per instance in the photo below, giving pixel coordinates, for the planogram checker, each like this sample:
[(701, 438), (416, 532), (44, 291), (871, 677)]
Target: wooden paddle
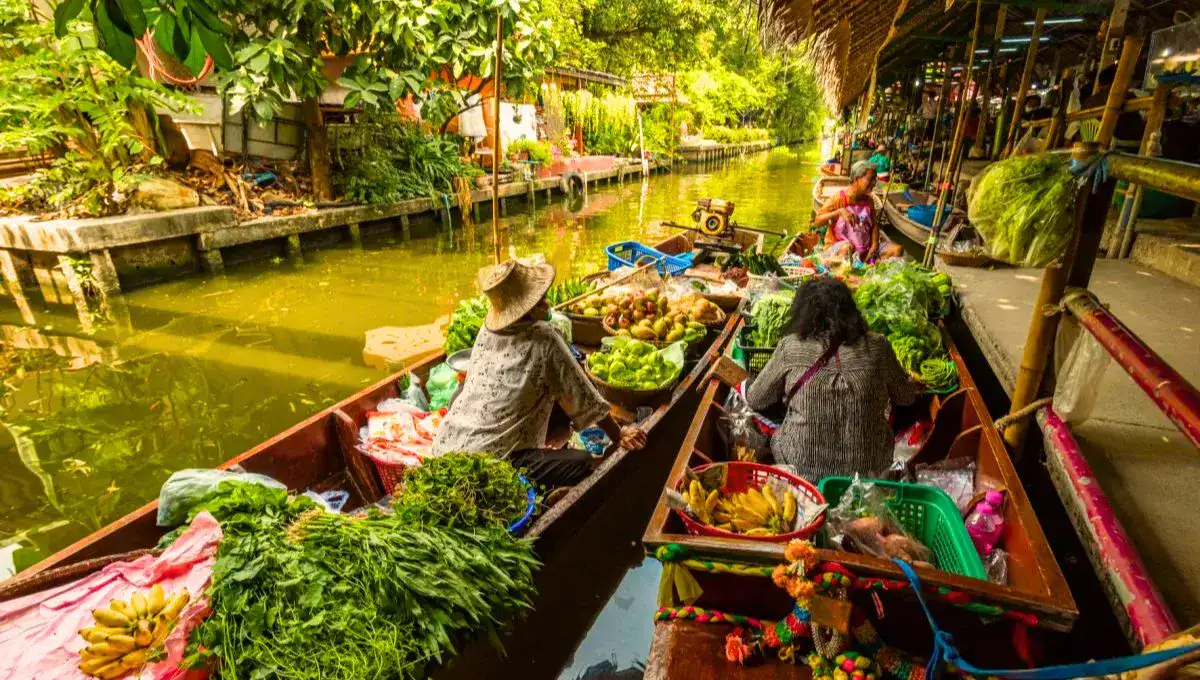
[(639, 270)]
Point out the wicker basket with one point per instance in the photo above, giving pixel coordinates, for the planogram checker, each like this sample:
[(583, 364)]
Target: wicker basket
[(631, 398), (965, 259), (587, 330), (742, 476), (20, 586), (727, 303)]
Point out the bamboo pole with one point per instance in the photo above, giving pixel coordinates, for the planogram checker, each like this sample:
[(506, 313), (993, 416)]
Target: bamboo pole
[(497, 146), (1014, 127), (1091, 210), (937, 119), (1115, 30), (964, 104), (620, 279), (1058, 125), (1133, 194), (985, 94)]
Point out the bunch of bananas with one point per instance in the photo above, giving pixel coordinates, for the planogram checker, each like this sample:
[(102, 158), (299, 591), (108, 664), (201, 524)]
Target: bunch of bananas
[(127, 634), (757, 512)]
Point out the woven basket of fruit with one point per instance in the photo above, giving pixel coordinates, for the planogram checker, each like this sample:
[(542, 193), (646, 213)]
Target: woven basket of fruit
[(633, 373), (756, 502)]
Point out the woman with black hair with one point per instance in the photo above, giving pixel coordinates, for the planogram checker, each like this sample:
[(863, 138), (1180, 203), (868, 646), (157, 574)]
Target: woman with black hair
[(837, 382)]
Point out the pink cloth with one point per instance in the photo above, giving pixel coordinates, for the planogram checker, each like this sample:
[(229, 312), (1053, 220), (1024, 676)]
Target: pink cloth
[(39, 633), (859, 235)]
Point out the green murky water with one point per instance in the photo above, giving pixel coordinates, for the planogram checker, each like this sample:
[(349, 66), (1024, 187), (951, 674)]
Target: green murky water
[(208, 367)]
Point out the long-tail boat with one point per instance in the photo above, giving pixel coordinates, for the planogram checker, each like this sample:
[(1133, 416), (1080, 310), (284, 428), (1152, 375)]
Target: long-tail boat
[(895, 206), (321, 453)]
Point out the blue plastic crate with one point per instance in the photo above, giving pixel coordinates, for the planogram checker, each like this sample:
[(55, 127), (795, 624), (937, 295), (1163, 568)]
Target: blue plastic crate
[(634, 254), (923, 214)]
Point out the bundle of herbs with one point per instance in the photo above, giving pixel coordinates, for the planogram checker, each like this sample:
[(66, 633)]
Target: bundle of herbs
[(465, 322), (329, 596), (769, 318), (463, 490), (1022, 207)]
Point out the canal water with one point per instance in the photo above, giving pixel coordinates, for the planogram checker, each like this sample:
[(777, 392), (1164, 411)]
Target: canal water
[(210, 366)]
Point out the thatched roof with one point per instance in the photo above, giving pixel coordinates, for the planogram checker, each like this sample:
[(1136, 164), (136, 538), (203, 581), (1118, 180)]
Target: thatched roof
[(851, 38)]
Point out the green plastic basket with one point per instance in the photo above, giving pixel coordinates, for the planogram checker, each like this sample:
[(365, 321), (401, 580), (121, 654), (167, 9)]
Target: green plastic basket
[(753, 359), (928, 514)]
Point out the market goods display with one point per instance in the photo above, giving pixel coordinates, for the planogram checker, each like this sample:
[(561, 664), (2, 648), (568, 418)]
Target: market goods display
[(465, 322), (754, 512), (939, 374), (863, 522), (127, 635), (636, 365), (464, 490), (298, 592), (898, 299), (757, 264), (568, 290), (1022, 207), (651, 317), (770, 316)]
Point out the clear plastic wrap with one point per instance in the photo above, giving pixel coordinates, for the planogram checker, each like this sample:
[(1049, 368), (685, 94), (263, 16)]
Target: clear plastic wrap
[(747, 441), (1022, 207), (997, 567), (184, 488), (1077, 387), (955, 476), (862, 523)]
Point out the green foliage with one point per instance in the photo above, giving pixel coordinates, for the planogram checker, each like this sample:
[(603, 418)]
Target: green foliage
[(384, 158), (310, 595), (629, 36), (65, 95), (898, 299), (1022, 207), (609, 121), (463, 490), (538, 152), (770, 316), (724, 135), (465, 322)]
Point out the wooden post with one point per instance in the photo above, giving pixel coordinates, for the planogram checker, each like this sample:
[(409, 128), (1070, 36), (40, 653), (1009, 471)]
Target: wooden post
[(496, 137), (937, 120), (997, 35), (1014, 127), (1057, 130), (1114, 32), (1001, 133), (11, 271), (1133, 195), (963, 105), (1076, 266)]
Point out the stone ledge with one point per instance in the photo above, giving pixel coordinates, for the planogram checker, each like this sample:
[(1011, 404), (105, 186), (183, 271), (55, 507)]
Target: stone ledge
[(86, 235)]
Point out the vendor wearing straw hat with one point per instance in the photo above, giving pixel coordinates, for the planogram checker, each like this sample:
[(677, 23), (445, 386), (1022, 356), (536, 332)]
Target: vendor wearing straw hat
[(520, 368)]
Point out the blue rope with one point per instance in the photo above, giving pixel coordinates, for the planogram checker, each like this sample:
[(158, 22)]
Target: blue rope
[(1095, 169), (945, 652)]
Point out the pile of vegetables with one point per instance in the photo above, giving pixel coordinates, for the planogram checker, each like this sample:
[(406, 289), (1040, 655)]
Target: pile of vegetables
[(899, 299), (301, 593), (464, 490), (758, 264), (633, 364), (1022, 208), (769, 317), (647, 314), (465, 323)]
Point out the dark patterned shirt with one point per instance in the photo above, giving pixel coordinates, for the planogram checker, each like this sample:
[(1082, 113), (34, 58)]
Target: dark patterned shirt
[(837, 423), (513, 381)]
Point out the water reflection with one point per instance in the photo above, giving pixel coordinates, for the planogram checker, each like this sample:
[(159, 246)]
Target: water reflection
[(203, 368)]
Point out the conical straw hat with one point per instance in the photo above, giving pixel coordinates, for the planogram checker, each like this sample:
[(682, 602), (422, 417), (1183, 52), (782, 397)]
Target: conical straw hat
[(513, 288)]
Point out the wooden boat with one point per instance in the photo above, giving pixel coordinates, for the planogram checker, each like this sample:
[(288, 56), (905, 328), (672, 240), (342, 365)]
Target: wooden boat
[(320, 453), (895, 206), (1036, 594)]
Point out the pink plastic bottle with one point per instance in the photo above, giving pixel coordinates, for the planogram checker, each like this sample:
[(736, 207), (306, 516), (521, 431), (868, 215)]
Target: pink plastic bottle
[(985, 524)]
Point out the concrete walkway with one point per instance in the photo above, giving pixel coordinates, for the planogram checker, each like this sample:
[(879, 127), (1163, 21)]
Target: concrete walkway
[(1149, 471)]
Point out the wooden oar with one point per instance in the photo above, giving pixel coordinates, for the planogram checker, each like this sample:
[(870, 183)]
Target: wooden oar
[(593, 291)]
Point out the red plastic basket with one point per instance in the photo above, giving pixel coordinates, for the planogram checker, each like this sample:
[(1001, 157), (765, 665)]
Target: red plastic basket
[(391, 474), (743, 476)]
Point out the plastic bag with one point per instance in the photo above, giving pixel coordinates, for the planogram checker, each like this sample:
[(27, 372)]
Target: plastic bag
[(997, 567), (862, 523), (562, 324), (184, 488), (908, 443), (443, 383), (955, 476), (1022, 208), (412, 394), (747, 439), (1078, 382)]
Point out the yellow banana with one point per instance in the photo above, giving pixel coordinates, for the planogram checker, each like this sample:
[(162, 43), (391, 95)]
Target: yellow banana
[(747, 510), (697, 491), (175, 605), (106, 649), (134, 660), (157, 599), (710, 503), (162, 628), (112, 618), (139, 605), (143, 635), (789, 507), (743, 525), (90, 666), (113, 670), (758, 531), (756, 500), (769, 497), (122, 607)]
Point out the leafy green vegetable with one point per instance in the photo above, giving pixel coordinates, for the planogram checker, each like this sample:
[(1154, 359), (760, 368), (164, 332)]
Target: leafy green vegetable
[(465, 323), (330, 596), (898, 298), (637, 365), (463, 490), (1022, 207), (939, 374), (770, 316)]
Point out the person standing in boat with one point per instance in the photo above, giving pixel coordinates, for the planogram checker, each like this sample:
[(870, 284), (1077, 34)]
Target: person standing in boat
[(837, 382), (852, 227), (520, 368), (879, 159)]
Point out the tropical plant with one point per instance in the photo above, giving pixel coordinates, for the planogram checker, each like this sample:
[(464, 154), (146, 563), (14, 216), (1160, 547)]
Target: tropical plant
[(538, 152), (384, 158), (65, 95)]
